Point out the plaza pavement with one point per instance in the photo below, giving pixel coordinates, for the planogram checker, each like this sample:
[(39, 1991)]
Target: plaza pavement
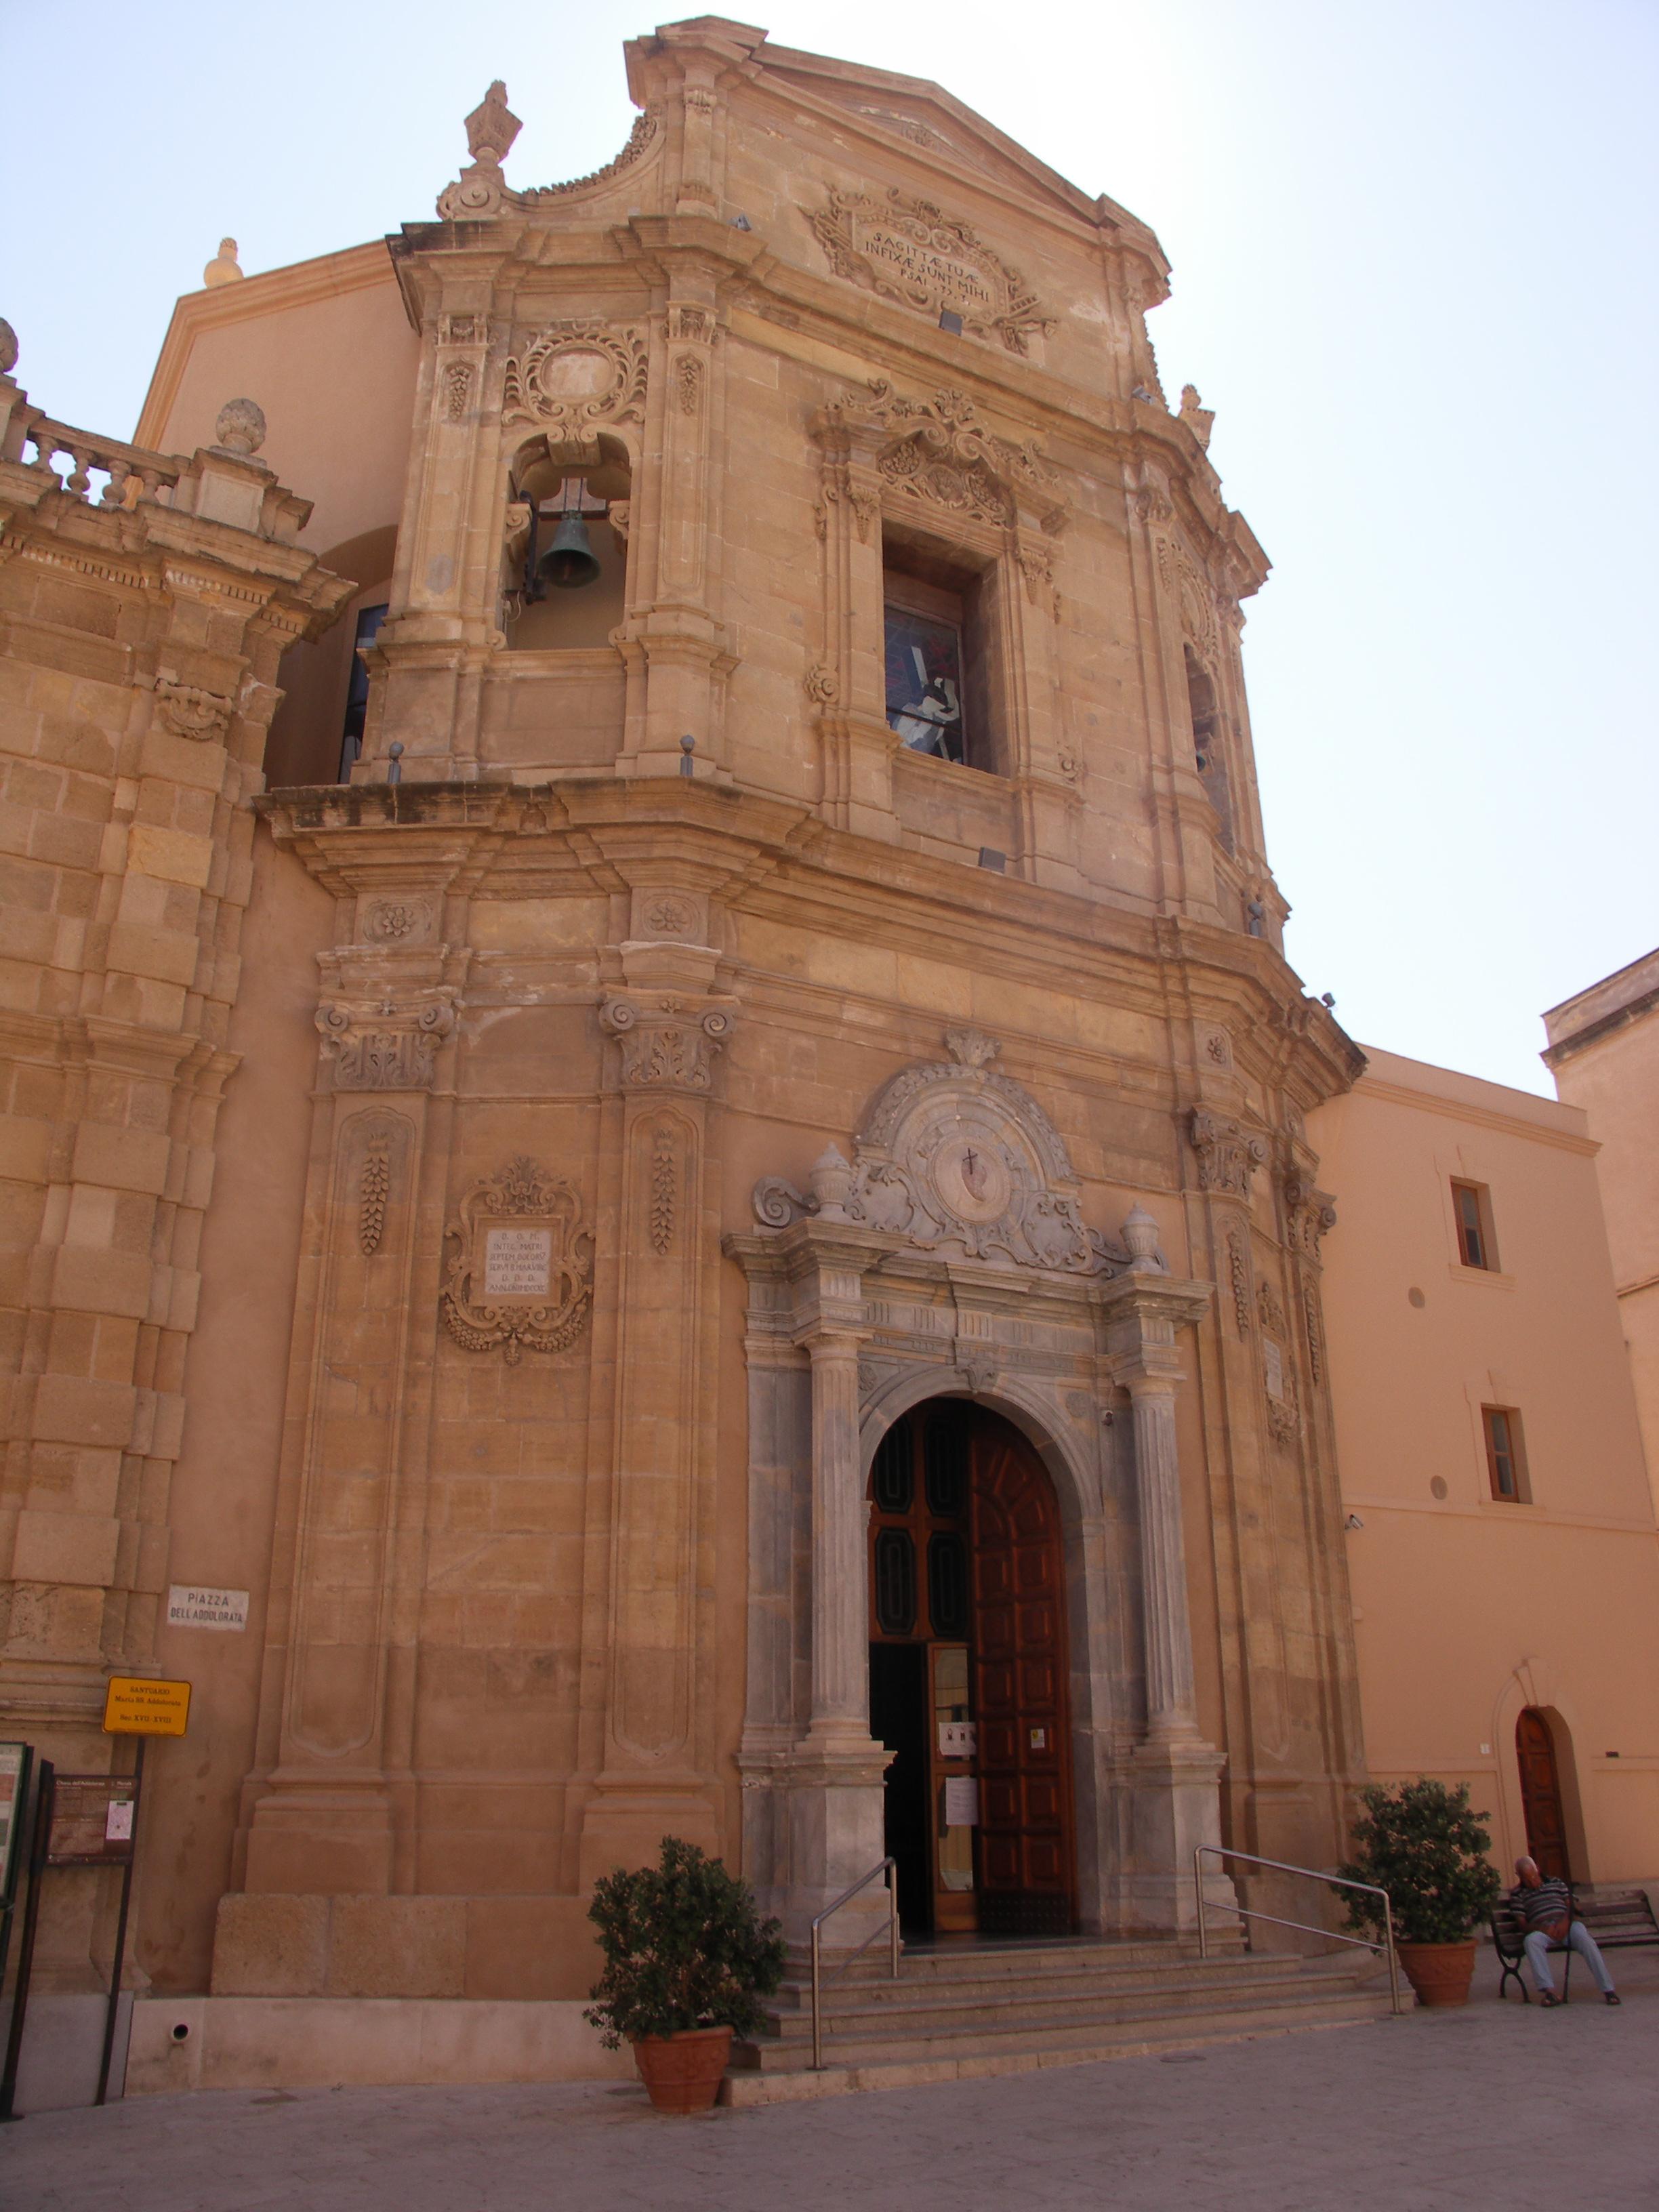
[(1493, 2109)]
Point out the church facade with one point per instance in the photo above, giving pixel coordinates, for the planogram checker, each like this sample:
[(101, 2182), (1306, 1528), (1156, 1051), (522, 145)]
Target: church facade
[(717, 1062)]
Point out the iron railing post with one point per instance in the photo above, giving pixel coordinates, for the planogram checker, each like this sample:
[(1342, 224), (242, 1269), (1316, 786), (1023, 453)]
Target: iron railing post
[(1307, 1927), (889, 1868)]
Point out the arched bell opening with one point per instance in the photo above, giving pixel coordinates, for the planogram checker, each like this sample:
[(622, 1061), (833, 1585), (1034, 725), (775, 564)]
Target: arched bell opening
[(564, 558), (969, 1674)]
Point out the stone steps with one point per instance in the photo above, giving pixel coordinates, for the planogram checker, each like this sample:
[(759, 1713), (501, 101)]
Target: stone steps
[(987, 2013)]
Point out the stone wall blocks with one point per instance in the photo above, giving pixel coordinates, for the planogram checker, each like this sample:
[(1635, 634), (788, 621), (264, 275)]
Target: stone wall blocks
[(121, 1159), (74, 1409), (162, 955), (93, 1281), (65, 1548), (404, 1947), (270, 1946)]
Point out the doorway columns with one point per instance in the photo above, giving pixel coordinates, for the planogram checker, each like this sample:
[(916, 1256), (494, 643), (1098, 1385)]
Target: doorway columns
[(1176, 1773)]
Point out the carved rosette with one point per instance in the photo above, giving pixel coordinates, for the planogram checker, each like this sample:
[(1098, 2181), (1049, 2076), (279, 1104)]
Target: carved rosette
[(666, 1045), (575, 375), (1228, 1153), (519, 1264), (380, 1048), (910, 251)]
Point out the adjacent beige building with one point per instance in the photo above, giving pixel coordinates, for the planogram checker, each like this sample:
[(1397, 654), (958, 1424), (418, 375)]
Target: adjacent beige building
[(739, 1247), (1603, 1052), (1502, 1551)]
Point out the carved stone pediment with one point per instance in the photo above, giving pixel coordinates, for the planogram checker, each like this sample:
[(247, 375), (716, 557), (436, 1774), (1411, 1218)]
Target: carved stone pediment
[(519, 1267), (910, 251), (956, 1159), (576, 374), (941, 450)]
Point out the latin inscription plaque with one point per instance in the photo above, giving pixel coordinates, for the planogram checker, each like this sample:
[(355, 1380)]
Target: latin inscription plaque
[(518, 1263)]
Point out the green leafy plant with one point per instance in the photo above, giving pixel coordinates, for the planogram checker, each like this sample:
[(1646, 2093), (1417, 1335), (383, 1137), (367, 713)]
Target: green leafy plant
[(684, 1947), (1420, 1842)]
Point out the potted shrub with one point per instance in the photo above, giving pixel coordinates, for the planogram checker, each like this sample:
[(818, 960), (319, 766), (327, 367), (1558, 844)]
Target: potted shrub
[(1420, 1842), (686, 1959)]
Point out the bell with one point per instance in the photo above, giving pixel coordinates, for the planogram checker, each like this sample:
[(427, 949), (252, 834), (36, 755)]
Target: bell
[(569, 561)]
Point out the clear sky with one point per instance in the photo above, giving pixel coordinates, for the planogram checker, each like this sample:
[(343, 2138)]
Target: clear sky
[(1414, 276)]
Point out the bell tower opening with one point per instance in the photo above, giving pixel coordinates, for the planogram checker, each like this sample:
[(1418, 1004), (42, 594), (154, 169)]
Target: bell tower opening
[(969, 1675)]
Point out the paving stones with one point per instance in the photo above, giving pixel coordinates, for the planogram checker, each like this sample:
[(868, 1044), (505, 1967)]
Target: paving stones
[(1429, 2113)]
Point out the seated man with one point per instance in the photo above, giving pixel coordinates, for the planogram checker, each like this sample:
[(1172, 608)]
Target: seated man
[(1546, 1911)]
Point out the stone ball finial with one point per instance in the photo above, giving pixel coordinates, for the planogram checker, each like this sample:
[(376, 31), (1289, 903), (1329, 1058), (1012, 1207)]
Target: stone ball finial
[(241, 428), (8, 348), (223, 269)]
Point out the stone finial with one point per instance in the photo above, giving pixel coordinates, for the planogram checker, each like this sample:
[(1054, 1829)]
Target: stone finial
[(1195, 415), (492, 127), (1139, 1235), (8, 348), (830, 1180), (241, 428), (223, 269)]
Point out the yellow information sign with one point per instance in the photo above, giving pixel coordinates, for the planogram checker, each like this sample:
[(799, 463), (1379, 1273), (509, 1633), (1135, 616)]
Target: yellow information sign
[(137, 1704)]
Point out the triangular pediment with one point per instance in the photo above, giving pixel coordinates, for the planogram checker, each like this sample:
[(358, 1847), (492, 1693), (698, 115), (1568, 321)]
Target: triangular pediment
[(925, 117)]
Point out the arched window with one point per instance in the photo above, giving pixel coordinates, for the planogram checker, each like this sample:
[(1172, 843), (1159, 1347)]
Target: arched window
[(565, 552)]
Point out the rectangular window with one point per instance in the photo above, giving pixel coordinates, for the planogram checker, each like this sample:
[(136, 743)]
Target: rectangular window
[(1476, 1245), (1506, 1464), (942, 672)]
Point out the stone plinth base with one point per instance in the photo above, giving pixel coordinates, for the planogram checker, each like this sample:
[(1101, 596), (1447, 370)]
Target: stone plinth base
[(328, 2043), (405, 1949), (1176, 1807)]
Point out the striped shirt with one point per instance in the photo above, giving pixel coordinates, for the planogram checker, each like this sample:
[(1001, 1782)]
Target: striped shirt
[(1543, 1906)]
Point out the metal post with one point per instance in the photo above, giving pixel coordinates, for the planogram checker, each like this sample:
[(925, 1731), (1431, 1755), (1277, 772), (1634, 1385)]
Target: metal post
[(1198, 1884), (20, 1995), (114, 2004), (817, 2023), (1393, 1962), (892, 1918)]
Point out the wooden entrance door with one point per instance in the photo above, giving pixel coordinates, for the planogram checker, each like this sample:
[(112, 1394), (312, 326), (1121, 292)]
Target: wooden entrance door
[(1026, 1858), (1541, 1795)]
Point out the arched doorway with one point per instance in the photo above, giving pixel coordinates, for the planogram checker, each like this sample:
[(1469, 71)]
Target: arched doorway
[(969, 1675), (1541, 1795)]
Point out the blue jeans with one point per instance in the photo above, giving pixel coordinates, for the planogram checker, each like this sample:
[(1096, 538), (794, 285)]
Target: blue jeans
[(1579, 1939)]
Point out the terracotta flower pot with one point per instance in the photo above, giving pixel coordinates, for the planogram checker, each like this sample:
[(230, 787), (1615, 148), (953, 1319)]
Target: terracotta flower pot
[(681, 2073), (1439, 1972)]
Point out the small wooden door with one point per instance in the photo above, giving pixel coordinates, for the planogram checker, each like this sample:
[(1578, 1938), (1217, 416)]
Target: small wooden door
[(1027, 1879), (1541, 1795)]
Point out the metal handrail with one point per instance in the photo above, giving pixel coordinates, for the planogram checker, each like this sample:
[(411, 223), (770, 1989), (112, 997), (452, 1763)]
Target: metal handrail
[(1308, 1874), (889, 1868)]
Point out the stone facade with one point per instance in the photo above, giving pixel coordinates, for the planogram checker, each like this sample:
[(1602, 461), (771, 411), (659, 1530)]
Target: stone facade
[(619, 1027)]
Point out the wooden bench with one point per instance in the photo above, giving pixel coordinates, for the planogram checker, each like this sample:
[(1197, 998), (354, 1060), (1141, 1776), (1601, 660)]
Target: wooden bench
[(1616, 1920)]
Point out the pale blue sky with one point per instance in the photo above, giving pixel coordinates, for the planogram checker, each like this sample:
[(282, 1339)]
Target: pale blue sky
[(1414, 276)]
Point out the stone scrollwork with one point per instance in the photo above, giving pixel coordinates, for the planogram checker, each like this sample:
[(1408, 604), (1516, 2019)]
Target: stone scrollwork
[(1308, 1213), (382, 1049), (939, 450), (574, 375), (519, 1264), (910, 251), (1191, 590), (1228, 1153), (669, 1044), (954, 1157), (190, 713)]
